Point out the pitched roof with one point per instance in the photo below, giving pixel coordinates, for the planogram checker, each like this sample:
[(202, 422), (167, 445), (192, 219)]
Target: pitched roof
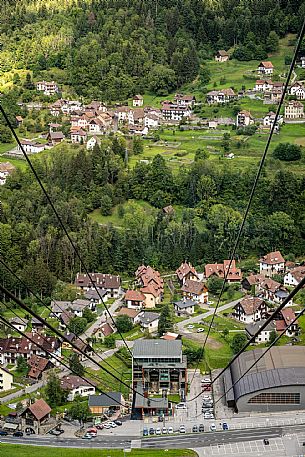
[(270, 284), (7, 166), (40, 409), (252, 328), (298, 273), (157, 348), (19, 321), (184, 269), (106, 329), (138, 97), (222, 53), (288, 315), (266, 64), (102, 281), (38, 365), (220, 270), (116, 398), (255, 279), (134, 295), (74, 382), (250, 304), (147, 317), (272, 258), (182, 304), (170, 336), (56, 135), (194, 287)]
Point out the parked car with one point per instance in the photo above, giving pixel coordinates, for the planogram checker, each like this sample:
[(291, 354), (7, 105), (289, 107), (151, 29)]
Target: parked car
[(207, 397), (151, 431), (87, 436), (164, 431), (201, 428), (158, 431), (206, 381), (181, 406), (182, 429), (117, 422), (18, 433), (225, 426), (170, 430), (3, 433), (100, 426), (190, 326), (213, 428), (145, 431), (210, 302), (56, 432), (200, 330), (195, 429)]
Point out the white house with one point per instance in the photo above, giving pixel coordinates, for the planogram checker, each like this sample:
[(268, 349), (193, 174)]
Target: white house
[(149, 321), (77, 386), (221, 96), (93, 141), (294, 276), (244, 118), (137, 100), (298, 90), (6, 168), (185, 100), (133, 314), (265, 68), (48, 88), (195, 290), (261, 85), (294, 110), (19, 323), (78, 136), (264, 335), (269, 120), (173, 112), (272, 263), (213, 124), (151, 120), (250, 309), (95, 126), (302, 62), (221, 56), (6, 379), (110, 283), (184, 307), (134, 299)]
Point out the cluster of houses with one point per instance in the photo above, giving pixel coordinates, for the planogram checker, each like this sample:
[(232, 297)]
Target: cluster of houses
[(6, 169)]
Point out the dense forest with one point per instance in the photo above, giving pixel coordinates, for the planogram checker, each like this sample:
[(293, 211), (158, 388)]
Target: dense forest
[(79, 181), (112, 49)]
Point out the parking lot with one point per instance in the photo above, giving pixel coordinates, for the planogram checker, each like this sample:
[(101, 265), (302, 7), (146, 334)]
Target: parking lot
[(249, 448)]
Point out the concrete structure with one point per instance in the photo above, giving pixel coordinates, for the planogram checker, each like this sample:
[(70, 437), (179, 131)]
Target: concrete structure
[(159, 366), (6, 379), (275, 383)]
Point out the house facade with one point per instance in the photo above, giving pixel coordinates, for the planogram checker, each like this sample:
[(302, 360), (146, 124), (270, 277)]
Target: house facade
[(35, 415), (264, 335), (265, 68), (110, 283), (244, 118), (134, 299), (47, 87), (195, 290), (221, 96), (6, 379), (293, 277), (149, 321), (272, 263), (221, 56), (221, 270), (102, 404), (298, 90), (184, 307), (137, 100), (6, 169), (294, 109), (250, 309), (186, 271), (77, 386)]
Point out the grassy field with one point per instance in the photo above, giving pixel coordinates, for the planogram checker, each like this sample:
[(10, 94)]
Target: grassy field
[(14, 450), (116, 219)]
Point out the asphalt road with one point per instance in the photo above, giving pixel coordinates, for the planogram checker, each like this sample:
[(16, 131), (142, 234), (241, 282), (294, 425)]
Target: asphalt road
[(195, 440)]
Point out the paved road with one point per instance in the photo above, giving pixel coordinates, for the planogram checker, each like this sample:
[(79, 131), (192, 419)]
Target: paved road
[(102, 318), (197, 440), (197, 319)]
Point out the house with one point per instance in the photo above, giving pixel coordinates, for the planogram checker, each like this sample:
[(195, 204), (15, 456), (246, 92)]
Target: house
[(250, 309), (64, 319), (171, 336), (19, 120), (168, 210), (152, 120), (38, 366), (78, 135), (110, 283), (77, 386), (37, 325), (251, 282), (19, 323), (221, 270), (160, 365), (83, 349), (35, 415), (221, 56), (6, 379), (149, 321), (294, 276), (264, 336), (58, 307), (79, 305), (95, 298), (269, 120), (261, 85), (173, 112), (265, 68), (100, 405), (297, 90), (133, 314), (152, 285), (55, 137), (294, 110), (302, 59), (273, 291), (6, 169), (104, 330), (284, 319), (186, 271), (185, 100), (93, 141), (184, 307), (244, 118), (137, 100), (213, 124), (134, 299), (48, 88), (221, 96), (31, 147), (274, 95), (195, 290), (272, 263)]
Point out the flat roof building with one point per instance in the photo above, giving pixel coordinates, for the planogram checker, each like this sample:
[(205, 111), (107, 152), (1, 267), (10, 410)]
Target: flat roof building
[(275, 383)]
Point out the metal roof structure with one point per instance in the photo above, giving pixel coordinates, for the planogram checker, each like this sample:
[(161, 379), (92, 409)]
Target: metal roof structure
[(157, 348), (104, 401)]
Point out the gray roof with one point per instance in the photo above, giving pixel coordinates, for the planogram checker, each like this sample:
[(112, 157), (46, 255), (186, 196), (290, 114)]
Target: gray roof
[(81, 302), (59, 306), (102, 400), (157, 348), (252, 328), (281, 366), (148, 317), (182, 304), (281, 293), (19, 320), (92, 294)]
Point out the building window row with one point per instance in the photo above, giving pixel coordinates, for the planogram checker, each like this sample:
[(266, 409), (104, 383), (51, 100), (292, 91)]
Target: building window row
[(276, 398)]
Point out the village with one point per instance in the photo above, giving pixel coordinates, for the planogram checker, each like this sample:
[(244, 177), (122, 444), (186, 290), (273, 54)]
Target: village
[(138, 314)]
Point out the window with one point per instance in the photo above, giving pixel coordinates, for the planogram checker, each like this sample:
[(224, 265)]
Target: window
[(276, 398)]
